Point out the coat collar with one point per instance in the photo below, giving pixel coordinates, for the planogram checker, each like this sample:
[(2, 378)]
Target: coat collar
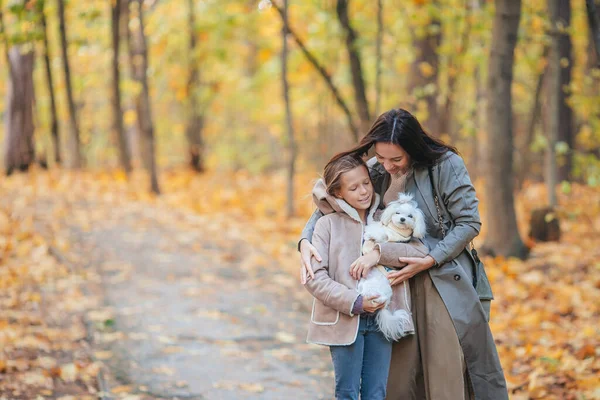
[(328, 204), (352, 213)]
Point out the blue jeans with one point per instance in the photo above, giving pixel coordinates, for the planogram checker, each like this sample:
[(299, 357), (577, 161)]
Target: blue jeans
[(363, 366)]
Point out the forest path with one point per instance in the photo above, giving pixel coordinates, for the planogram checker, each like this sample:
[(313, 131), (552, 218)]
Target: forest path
[(185, 316)]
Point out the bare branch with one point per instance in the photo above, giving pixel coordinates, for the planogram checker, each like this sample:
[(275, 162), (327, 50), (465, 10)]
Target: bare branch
[(324, 74)]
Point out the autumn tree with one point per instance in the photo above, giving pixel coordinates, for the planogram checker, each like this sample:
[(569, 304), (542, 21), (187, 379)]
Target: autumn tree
[(19, 146), (138, 60), (477, 113), (503, 239), (525, 159), (593, 14), (50, 81), (117, 110), (424, 69), (19, 126), (445, 111), (291, 143), (356, 69), (325, 75), (75, 160), (561, 66), (554, 99), (195, 116), (378, 57)]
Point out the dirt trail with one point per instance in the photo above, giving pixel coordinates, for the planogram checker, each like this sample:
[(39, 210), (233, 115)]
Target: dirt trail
[(190, 320)]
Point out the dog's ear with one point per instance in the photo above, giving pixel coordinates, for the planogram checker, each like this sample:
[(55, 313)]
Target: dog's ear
[(387, 214), (420, 227)]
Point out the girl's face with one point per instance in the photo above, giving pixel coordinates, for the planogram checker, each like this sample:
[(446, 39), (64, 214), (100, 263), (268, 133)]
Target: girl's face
[(393, 157), (356, 188)]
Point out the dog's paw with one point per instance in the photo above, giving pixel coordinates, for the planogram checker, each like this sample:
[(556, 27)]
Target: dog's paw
[(376, 233), (368, 246)]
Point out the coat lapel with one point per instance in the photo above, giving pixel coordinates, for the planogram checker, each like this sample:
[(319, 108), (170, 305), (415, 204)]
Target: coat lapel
[(423, 187)]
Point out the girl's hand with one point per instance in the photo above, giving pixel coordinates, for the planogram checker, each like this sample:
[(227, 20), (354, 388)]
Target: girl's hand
[(362, 265), (307, 251), (414, 265), (370, 304)]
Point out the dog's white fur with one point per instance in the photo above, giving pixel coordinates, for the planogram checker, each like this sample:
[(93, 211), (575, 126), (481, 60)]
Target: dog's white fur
[(400, 222)]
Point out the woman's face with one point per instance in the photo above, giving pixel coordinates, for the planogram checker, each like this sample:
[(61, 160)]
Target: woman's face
[(356, 188), (393, 157)]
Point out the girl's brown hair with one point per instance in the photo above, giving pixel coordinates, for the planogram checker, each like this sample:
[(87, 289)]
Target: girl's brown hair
[(338, 165)]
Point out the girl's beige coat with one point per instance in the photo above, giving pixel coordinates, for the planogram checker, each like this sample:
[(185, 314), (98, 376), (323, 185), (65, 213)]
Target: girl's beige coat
[(338, 237)]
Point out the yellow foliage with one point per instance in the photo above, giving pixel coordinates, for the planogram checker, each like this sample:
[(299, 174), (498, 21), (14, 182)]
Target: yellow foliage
[(426, 69), (181, 94), (130, 117), (537, 23), (264, 55)]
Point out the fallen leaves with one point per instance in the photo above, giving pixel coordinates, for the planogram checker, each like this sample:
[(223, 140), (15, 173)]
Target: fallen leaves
[(545, 316), (164, 370), (248, 387), (41, 323), (285, 337), (103, 355)]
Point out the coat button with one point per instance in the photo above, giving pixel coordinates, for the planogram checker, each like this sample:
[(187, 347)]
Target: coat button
[(457, 277)]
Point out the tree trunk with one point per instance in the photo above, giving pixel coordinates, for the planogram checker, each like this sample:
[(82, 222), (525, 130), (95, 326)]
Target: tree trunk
[(503, 236), (288, 114), (554, 98), (138, 55), (446, 113), (594, 22), (525, 155), (75, 160), (424, 71), (50, 80), (478, 112), (566, 124), (118, 125), (19, 149), (196, 119), (378, 56), (360, 96)]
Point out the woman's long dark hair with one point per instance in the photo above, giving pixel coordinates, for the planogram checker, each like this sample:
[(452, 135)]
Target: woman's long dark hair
[(399, 127)]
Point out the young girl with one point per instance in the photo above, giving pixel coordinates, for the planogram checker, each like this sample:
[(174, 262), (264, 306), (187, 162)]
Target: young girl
[(360, 353)]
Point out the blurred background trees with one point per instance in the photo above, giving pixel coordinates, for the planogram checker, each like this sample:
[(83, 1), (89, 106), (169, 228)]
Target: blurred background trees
[(152, 84)]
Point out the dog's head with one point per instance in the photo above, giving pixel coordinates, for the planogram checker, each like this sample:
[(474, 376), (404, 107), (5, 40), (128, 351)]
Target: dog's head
[(404, 216)]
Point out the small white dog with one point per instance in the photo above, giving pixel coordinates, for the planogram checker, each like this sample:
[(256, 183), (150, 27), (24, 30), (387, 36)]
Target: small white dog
[(401, 221)]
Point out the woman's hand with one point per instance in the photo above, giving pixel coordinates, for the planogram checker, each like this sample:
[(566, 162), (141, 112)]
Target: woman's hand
[(414, 265), (307, 251), (371, 304), (362, 265)]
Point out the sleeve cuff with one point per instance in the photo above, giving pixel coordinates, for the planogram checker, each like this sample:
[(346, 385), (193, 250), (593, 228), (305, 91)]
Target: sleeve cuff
[(437, 257), (300, 242), (357, 308)]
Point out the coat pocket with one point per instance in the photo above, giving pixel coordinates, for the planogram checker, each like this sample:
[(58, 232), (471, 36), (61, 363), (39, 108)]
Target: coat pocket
[(323, 315), (480, 279), (484, 289)]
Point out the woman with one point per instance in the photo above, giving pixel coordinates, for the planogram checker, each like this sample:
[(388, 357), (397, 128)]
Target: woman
[(452, 355)]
